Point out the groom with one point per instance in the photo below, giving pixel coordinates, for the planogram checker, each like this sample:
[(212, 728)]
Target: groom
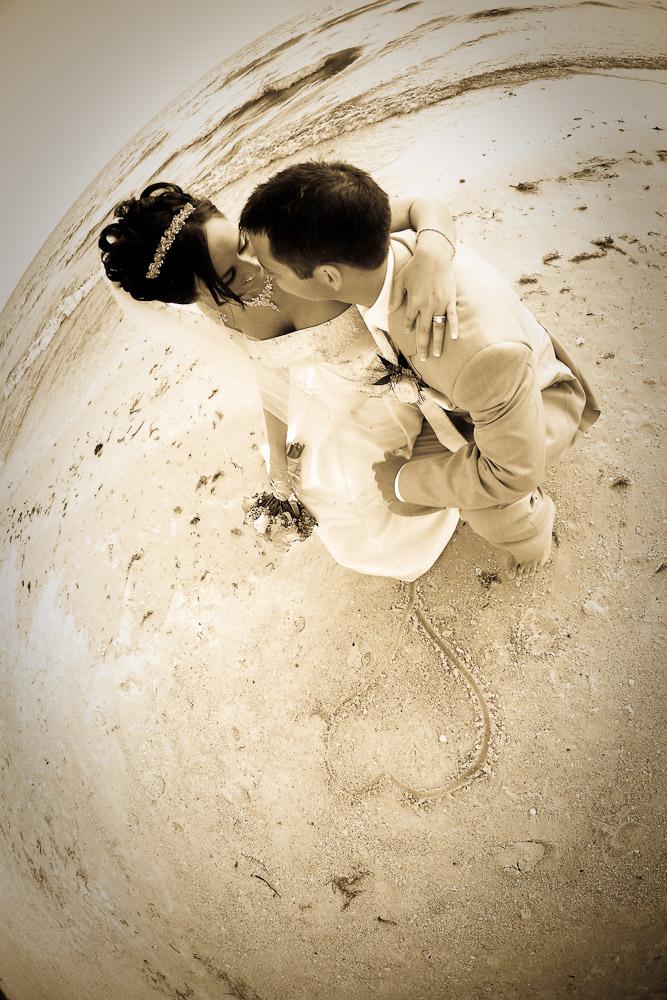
[(505, 399)]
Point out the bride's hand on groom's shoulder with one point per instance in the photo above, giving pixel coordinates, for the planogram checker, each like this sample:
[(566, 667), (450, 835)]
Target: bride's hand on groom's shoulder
[(431, 295)]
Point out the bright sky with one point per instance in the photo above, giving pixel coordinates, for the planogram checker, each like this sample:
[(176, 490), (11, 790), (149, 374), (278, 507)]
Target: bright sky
[(80, 77)]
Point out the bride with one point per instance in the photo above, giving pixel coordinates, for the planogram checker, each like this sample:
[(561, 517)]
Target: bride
[(315, 363)]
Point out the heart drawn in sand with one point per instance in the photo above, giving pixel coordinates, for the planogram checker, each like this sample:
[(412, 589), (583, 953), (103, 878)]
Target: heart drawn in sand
[(423, 723)]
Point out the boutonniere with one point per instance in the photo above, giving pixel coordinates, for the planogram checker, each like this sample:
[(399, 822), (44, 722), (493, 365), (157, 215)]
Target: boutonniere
[(405, 383)]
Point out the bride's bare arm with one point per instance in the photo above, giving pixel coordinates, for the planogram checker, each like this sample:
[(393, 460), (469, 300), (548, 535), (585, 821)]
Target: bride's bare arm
[(427, 279), (276, 436)]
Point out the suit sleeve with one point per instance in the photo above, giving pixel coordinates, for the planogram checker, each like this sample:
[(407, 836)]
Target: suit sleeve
[(506, 461)]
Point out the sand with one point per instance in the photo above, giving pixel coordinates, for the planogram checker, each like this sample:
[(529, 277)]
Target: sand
[(242, 771)]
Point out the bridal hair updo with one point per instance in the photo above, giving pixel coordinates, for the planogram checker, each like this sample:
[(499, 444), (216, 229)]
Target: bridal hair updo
[(130, 242)]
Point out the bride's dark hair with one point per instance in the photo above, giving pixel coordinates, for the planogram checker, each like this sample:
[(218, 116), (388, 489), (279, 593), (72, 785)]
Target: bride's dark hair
[(129, 243)]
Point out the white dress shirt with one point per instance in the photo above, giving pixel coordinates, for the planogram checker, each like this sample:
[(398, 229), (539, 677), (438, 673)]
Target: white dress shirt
[(376, 318)]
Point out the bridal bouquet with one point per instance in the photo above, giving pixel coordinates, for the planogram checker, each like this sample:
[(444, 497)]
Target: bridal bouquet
[(280, 520), (280, 515)]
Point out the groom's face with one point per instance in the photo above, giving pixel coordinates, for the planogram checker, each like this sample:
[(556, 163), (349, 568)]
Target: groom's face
[(316, 288)]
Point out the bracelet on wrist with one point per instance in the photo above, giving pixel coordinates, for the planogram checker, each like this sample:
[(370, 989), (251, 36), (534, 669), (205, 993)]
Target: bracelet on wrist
[(432, 229)]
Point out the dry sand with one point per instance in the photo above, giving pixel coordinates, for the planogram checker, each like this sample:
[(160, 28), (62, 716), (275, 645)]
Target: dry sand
[(226, 758)]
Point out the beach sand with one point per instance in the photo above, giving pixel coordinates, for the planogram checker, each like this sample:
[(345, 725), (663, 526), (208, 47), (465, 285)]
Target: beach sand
[(241, 771)]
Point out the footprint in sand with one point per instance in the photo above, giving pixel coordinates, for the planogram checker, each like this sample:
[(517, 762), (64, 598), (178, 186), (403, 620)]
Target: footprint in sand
[(522, 856), (423, 723)]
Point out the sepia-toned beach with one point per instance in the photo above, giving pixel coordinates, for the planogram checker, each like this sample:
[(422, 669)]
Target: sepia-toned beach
[(236, 769)]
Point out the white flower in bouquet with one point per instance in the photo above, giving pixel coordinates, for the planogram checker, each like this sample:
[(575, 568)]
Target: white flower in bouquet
[(262, 523), (287, 534)]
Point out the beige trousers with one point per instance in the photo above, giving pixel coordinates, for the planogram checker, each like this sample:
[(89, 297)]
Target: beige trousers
[(522, 528)]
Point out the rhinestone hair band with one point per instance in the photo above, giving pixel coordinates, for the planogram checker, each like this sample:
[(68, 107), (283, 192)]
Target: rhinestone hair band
[(167, 239)]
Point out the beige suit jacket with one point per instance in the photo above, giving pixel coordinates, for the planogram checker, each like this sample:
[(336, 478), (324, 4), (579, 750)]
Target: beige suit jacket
[(494, 377)]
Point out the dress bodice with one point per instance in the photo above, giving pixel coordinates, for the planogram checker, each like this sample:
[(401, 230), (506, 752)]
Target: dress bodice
[(343, 345)]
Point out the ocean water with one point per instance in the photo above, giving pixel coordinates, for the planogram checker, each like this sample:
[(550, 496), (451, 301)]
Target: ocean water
[(326, 76)]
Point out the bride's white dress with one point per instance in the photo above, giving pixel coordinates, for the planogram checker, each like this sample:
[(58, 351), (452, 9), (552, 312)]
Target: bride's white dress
[(346, 424)]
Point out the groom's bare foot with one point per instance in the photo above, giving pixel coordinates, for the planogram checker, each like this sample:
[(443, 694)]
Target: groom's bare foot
[(536, 553)]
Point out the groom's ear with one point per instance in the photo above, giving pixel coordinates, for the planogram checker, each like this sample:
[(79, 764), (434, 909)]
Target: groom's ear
[(329, 276)]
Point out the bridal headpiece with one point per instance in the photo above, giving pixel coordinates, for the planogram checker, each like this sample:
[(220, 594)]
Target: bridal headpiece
[(167, 239)]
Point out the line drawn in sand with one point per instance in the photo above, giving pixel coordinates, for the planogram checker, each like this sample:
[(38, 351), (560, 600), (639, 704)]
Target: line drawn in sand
[(387, 731)]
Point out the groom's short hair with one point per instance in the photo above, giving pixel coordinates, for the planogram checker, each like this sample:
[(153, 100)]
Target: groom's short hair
[(321, 213)]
